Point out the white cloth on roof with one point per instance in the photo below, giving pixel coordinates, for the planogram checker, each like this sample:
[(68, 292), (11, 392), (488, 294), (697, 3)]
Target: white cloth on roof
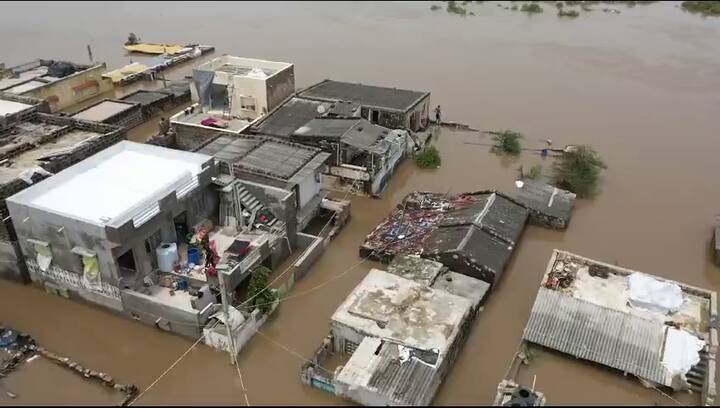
[(681, 351), (648, 293)]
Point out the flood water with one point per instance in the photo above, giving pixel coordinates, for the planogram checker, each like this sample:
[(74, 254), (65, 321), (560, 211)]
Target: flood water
[(642, 87)]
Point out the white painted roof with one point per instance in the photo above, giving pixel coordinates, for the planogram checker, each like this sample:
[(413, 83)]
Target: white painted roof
[(10, 107), (409, 313), (117, 184)]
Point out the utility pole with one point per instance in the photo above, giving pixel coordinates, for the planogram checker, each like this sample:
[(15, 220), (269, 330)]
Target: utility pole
[(226, 313), (89, 50)]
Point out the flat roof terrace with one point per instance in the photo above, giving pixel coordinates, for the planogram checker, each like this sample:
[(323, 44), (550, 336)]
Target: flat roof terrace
[(35, 155), (154, 171), (197, 117)]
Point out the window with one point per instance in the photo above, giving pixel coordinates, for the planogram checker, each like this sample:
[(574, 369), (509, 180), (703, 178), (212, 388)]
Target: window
[(126, 261), (87, 89), (91, 267), (247, 102), (43, 254)]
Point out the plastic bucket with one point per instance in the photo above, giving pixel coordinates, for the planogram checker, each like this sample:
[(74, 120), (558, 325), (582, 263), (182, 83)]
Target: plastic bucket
[(193, 255)]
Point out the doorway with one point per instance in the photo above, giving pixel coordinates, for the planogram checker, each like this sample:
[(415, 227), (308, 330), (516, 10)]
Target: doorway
[(375, 116)]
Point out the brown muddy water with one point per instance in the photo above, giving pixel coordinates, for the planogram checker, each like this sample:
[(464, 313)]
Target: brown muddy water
[(642, 87)]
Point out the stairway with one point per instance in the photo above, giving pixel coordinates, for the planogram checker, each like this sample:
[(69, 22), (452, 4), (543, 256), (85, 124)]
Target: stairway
[(696, 376), (253, 206)]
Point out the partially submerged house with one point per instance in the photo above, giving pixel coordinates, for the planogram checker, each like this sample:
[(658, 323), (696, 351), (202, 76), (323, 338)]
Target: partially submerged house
[(658, 330), (132, 244), (549, 206), (361, 152), (288, 166), (15, 107), (33, 146), (93, 228), (389, 107), (471, 233), (398, 338), (113, 112), (61, 83), (230, 93), (155, 101)]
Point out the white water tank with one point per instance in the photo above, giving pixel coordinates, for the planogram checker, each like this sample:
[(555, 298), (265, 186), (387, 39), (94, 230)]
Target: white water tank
[(167, 256)]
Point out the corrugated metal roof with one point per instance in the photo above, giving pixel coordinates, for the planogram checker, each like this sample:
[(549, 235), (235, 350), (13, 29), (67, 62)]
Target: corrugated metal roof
[(368, 95), (278, 159), (407, 383), (546, 199), (230, 149), (290, 116), (591, 332), (358, 133)]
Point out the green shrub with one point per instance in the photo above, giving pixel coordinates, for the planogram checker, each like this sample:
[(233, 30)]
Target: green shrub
[(706, 8), (535, 172), (507, 141), (434, 7), (428, 158), (531, 8), (568, 13), (454, 8), (260, 295), (578, 170)]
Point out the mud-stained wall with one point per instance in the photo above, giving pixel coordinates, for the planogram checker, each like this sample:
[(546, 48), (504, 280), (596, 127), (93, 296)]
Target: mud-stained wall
[(279, 87)]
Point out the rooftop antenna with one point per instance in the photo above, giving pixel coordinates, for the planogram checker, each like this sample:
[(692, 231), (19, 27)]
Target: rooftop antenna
[(89, 50)]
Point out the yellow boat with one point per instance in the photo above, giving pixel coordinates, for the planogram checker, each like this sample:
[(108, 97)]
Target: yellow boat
[(155, 49)]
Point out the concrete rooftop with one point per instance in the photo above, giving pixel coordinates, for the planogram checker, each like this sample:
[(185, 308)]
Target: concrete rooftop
[(103, 110), (10, 107), (116, 184), (244, 67), (390, 307)]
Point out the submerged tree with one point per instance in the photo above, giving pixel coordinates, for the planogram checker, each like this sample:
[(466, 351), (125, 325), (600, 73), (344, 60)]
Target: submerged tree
[(260, 295), (428, 158), (706, 8), (578, 170), (507, 141), (535, 172), (531, 8)]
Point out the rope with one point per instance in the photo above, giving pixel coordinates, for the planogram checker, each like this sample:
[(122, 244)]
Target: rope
[(167, 370), (293, 352), (290, 267)]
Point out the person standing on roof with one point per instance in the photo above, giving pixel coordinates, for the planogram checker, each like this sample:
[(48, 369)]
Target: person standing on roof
[(164, 126), (438, 115)]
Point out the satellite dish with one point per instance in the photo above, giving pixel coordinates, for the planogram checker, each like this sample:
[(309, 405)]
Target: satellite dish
[(519, 184), (321, 109)]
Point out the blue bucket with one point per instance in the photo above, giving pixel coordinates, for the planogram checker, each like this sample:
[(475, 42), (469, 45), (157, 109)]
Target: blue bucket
[(194, 255)]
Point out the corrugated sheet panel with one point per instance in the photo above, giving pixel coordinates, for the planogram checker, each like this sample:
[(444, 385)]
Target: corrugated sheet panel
[(408, 383), (591, 332)]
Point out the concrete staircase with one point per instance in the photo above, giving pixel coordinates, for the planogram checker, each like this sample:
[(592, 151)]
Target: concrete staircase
[(252, 205), (697, 375)]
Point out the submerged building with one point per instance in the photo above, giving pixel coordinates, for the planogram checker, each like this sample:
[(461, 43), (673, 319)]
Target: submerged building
[(34, 146), (60, 83), (230, 94), (368, 130), (136, 247), (91, 231), (658, 330), (292, 167), (471, 233), (389, 107), (397, 337), (113, 112)]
